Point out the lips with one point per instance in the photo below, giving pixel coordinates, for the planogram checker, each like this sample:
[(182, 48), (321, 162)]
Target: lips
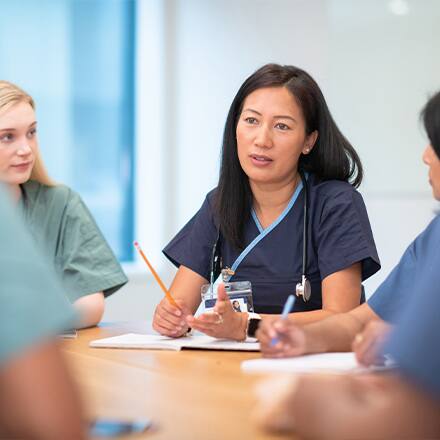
[(260, 158), (21, 166)]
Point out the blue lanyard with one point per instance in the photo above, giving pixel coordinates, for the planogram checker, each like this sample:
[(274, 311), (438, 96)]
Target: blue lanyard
[(264, 232)]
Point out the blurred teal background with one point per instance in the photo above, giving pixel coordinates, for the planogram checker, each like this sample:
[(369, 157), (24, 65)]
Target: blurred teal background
[(76, 59)]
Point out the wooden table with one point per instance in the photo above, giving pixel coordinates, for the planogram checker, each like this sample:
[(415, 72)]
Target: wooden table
[(191, 394)]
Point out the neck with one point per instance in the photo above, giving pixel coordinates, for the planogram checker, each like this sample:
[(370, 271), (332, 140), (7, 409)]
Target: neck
[(15, 192), (271, 199)]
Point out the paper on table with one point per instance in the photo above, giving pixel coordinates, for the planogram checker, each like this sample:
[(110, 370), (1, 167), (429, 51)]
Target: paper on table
[(325, 362), (157, 342)]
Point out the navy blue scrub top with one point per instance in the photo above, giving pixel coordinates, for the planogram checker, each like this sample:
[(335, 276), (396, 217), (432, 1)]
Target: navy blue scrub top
[(339, 236)]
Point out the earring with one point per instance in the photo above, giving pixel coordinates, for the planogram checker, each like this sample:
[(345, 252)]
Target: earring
[(306, 150)]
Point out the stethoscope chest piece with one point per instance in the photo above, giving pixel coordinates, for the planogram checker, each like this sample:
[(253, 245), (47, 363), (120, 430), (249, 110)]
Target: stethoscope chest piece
[(304, 289)]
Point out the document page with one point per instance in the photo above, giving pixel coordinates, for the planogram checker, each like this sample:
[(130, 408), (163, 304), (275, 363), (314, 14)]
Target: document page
[(324, 362), (158, 342)]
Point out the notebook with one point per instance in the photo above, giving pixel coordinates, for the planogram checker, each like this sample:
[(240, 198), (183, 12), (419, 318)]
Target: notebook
[(313, 363), (158, 342)]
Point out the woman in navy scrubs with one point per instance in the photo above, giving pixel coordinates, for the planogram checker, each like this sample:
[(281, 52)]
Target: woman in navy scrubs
[(278, 126)]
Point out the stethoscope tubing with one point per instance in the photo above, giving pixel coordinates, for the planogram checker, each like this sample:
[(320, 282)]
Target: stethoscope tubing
[(215, 255)]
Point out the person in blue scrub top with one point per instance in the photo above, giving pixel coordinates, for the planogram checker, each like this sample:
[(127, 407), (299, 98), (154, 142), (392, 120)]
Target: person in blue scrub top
[(402, 404), (405, 404), (60, 223), (278, 127), (364, 329)]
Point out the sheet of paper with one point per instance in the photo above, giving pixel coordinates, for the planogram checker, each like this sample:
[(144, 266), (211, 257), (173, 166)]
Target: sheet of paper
[(324, 362), (158, 342)]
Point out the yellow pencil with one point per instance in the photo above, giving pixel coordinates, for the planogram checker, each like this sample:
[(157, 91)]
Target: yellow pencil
[(161, 284)]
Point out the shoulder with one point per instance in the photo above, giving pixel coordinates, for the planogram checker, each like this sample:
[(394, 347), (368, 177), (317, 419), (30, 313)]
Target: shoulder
[(59, 199), (429, 237), (334, 194), (433, 229), (329, 189), (210, 197), (208, 205), (37, 191), (57, 196)]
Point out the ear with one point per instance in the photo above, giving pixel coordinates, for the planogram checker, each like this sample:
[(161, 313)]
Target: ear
[(310, 142)]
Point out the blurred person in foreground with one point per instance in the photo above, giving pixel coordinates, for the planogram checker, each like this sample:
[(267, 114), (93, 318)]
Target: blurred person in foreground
[(37, 397)]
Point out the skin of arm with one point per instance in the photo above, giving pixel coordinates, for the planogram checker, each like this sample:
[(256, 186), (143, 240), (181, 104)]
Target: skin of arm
[(335, 333), (37, 397), (91, 308), (340, 292)]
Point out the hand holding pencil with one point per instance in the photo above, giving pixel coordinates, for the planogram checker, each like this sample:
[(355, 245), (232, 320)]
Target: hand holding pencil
[(170, 314), (280, 337)]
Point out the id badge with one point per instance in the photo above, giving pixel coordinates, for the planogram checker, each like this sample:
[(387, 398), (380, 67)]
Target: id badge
[(239, 292)]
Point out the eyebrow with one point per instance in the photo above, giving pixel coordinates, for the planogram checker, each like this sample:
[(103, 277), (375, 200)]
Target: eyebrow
[(14, 129), (275, 117)]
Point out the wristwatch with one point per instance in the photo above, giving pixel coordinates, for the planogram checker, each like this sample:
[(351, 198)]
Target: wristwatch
[(254, 320)]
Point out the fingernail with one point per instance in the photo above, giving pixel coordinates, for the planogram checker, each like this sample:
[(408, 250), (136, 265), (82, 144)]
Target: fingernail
[(177, 312)]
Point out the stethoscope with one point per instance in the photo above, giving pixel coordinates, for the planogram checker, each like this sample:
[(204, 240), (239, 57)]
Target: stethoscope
[(303, 288)]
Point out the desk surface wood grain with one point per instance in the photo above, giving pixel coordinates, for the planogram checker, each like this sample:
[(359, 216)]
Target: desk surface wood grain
[(188, 394)]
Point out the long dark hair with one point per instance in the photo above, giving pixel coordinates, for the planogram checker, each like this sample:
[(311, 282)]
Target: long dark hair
[(332, 156), (431, 120)]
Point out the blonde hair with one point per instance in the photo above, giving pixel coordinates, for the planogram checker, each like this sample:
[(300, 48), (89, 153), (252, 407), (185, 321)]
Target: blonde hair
[(10, 95)]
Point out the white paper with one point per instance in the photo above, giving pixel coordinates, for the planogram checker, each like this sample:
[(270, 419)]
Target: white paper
[(325, 362), (158, 342)]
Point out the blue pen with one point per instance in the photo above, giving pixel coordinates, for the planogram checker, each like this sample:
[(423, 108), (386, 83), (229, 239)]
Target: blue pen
[(288, 306)]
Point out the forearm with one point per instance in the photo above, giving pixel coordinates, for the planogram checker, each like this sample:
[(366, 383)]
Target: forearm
[(304, 318), (335, 333), (325, 331)]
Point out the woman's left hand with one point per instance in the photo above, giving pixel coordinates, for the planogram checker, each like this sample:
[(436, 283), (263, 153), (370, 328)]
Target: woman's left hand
[(223, 322)]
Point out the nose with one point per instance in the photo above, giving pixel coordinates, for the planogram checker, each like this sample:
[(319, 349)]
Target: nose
[(263, 137), (24, 149)]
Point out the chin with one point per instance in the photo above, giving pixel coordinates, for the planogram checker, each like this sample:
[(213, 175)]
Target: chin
[(19, 180)]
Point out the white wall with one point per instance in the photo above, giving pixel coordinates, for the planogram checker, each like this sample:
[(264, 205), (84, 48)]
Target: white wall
[(375, 68)]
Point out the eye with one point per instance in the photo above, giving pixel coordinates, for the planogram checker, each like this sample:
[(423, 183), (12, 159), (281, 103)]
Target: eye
[(282, 126), (7, 137), (31, 133), (251, 120)]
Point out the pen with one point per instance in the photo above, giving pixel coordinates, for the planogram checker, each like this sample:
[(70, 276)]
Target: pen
[(161, 284), (288, 306)]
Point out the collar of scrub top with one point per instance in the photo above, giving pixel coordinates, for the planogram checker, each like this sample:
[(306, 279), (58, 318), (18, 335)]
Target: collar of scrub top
[(258, 238)]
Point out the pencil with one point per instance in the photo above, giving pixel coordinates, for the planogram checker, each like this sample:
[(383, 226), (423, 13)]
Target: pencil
[(288, 306), (161, 284)]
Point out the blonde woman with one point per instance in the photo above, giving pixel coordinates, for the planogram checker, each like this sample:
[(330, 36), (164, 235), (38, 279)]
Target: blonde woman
[(58, 219)]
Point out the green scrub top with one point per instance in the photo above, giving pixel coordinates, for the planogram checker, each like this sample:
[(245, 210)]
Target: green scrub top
[(31, 307), (64, 229)]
